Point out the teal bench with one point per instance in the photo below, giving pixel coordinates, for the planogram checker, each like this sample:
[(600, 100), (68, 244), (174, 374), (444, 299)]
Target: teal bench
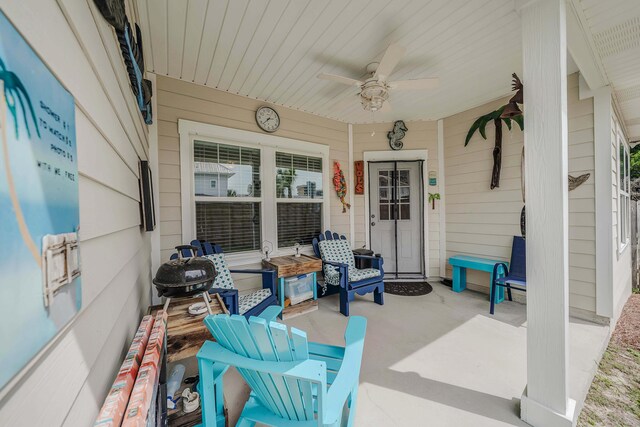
[(460, 263)]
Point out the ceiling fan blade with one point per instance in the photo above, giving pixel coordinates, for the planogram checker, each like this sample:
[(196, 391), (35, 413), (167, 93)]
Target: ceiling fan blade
[(392, 56), (415, 84), (340, 79)]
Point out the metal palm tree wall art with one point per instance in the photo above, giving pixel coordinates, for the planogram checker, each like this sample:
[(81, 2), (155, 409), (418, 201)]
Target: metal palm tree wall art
[(507, 113)]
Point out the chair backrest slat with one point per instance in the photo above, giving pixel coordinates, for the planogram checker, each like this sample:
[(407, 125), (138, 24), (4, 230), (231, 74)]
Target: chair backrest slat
[(518, 265), (301, 352), (262, 381), (284, 353), (262, 338)]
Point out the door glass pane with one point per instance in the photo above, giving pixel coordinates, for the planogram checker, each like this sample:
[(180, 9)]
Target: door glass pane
[(405, 211), (225, 170), (384, 193), (404, 193), (383, 179), (404, 177), (384, 212)]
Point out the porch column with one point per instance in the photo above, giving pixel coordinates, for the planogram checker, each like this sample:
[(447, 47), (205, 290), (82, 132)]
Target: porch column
[(545, 401)]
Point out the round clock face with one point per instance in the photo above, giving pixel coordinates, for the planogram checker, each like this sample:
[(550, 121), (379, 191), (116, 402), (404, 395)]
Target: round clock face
[(267, 119)]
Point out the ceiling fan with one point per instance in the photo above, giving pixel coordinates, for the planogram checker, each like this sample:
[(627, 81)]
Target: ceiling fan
[(374, 91)]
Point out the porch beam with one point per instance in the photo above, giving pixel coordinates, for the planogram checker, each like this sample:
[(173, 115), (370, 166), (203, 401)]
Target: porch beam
[(545, 401)]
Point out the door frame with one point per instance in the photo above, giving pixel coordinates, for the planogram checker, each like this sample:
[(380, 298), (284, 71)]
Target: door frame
[(390, 156)]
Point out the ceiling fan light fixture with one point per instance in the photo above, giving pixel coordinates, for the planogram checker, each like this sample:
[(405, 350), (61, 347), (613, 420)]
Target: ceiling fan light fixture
[(373, 95)]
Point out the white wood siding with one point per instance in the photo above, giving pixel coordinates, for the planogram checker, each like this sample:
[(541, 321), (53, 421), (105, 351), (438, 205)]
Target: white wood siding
[(421, 135), (181, 100), (69, 379), (482, 222)]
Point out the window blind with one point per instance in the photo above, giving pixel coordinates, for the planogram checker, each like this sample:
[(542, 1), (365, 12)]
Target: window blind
[(233, 225), (298, 223), (235, 170)]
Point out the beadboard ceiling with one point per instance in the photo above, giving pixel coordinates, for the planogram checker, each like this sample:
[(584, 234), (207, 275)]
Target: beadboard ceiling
[(614, 27), (272, 50)]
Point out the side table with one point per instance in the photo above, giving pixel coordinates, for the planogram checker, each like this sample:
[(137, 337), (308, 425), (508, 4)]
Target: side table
[(288, 266)]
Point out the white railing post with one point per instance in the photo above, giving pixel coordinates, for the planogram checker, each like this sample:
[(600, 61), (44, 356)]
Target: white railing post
[(545, 402)]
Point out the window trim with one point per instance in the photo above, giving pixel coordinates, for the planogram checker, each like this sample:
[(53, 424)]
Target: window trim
[(190, 131), (622, 143)]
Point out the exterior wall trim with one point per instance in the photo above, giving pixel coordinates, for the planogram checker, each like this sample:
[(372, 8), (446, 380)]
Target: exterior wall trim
[(604, 234)]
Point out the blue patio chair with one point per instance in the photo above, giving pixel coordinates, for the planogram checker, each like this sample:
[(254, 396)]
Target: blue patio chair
[(250, 304), (340, 272), (515, 273), (294, 383)]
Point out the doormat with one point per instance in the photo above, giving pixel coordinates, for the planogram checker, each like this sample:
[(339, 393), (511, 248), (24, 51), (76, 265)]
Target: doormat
[(407, 289)]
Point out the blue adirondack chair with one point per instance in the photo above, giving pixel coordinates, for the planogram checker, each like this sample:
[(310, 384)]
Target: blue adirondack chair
[(516, 272), (294, 383), (250, 304), (341, 274)]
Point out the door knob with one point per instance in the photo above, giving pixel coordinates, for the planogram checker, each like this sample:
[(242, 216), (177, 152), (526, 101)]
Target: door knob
[(373, 216), (373, 223)]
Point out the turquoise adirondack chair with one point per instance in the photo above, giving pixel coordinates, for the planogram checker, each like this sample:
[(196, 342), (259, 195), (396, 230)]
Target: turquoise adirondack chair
[(294, 383)]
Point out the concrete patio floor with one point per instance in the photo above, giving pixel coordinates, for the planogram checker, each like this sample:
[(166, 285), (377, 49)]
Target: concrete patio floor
[(440, 359)]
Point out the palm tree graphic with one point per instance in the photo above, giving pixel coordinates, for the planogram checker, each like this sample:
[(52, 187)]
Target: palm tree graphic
[(14, 94)]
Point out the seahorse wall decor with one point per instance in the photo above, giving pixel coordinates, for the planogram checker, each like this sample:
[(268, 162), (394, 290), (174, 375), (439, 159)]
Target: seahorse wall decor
[(340, 184), (395, 136)]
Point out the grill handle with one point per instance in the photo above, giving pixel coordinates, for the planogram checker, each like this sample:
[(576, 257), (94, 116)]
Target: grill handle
[(193, 249)]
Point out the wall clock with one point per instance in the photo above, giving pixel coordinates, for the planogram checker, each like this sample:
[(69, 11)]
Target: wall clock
[(267, 119)]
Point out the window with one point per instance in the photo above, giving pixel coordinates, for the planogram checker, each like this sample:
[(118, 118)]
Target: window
[(228, 209), (246, 190), (390, 204), (299, 196), (624, 200)]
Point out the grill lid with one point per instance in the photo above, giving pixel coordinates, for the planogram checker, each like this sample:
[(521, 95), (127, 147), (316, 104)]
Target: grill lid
[(184, 276)]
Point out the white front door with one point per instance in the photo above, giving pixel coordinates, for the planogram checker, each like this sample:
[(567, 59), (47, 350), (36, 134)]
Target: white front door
[(396, 215)]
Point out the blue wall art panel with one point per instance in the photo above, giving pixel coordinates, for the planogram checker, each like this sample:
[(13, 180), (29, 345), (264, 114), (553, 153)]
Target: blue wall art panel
[(40, 289)]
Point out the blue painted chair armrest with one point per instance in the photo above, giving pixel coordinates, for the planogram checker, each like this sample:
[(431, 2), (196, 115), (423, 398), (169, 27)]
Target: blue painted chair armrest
[(229, 297), (311, 370), (505, 269), (376, 261), (349, 373), (335, 264), (270, 313), (343, 270), (365, 256)]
